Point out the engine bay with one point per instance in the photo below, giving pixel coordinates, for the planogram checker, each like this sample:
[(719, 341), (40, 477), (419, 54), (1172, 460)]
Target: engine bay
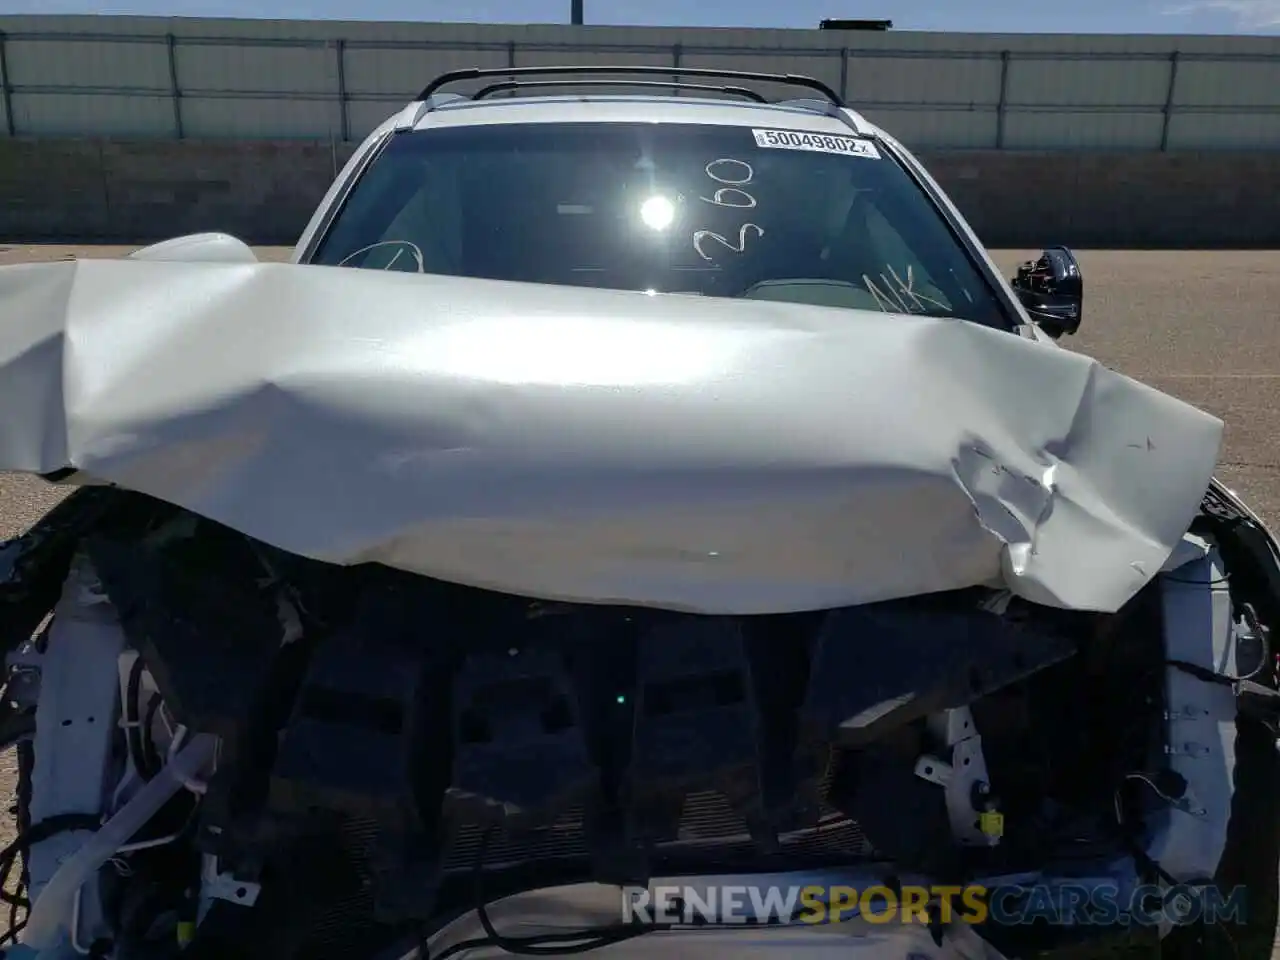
[(335, 756)]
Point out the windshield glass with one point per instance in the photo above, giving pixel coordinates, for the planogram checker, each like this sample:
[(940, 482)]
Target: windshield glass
[(717, 211)]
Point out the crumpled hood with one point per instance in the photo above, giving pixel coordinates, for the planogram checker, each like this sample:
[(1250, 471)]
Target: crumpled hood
[(717, 456)]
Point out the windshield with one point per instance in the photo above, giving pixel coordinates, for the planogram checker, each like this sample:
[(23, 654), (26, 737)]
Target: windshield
[(716, 211)]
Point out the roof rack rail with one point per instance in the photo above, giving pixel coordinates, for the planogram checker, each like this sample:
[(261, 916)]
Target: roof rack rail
[(650, 84), (476, 73)]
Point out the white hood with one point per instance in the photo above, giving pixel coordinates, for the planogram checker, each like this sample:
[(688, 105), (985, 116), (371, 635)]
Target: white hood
[(717, 456)]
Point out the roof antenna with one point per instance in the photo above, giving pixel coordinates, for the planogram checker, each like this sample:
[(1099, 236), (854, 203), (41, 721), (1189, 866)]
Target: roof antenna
[(575, 12)]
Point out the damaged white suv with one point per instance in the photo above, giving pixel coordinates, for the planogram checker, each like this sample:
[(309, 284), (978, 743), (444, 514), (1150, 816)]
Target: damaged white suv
[(675, 536)]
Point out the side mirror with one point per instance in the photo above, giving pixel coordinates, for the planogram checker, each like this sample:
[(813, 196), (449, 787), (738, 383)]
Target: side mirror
[(1052, 290), (199, 248)]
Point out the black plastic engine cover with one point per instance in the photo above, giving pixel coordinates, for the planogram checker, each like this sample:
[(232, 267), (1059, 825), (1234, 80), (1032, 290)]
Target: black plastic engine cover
[(704, 721), (902, 815), (520, 750), (210, 642), (880, 666), (368, 737), (541, 709), (34, 565)]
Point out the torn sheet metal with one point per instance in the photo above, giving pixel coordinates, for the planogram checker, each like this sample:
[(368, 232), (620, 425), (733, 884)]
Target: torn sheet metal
[(718, 456)]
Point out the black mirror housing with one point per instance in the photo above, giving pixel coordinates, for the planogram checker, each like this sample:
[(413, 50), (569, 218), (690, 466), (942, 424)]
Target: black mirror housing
[(1052, 291)]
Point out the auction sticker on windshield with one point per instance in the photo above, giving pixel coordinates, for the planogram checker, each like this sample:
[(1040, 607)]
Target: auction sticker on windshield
[(816, 142)]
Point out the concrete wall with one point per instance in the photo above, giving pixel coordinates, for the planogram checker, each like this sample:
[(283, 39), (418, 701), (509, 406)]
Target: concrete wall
[(197, 78), (264, 191)]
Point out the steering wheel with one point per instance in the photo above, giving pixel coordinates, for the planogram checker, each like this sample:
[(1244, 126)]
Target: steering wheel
[(400, 255)]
